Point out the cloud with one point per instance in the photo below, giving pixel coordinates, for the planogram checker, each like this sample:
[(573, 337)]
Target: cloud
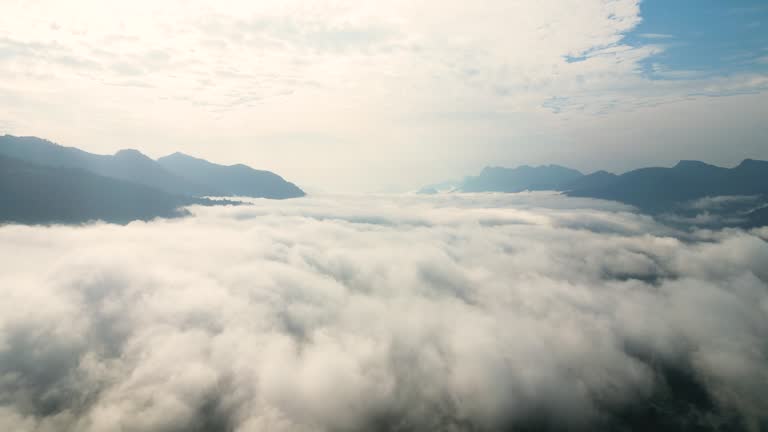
[(713, 211), (724, 201), (382, 313), (655, 36)]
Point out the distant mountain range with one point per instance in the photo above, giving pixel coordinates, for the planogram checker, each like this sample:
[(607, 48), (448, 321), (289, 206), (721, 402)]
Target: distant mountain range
[(656, 189), (36, 194), (177, 173), (43, 182), (234, 180), (498, 179), (653, 190)]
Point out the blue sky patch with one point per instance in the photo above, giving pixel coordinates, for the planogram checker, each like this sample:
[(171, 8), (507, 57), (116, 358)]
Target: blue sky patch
[(703, 38)]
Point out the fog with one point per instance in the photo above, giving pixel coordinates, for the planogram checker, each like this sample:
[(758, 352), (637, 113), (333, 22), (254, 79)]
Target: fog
[(341, 313)]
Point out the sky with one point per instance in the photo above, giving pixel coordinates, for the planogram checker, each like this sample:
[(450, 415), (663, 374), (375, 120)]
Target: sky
[(342, 95)]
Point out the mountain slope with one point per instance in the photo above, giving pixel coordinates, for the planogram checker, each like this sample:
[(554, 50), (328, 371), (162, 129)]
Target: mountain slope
[(499, 179), (656, 189), (35, 194), (596, 179), (129, 165), (673, 193), (234, 180), (757, 218)]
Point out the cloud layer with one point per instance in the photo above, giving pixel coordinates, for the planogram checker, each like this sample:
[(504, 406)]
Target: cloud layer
[(383, 313)]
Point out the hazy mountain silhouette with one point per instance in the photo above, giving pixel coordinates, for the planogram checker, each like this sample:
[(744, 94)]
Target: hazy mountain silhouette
[(130, 165), (176, 174), (37, 194), (596, 179), (234, 180), (657, 189), (43, 182), (653, 190), (757, 218), (499, 179), (447, 186)]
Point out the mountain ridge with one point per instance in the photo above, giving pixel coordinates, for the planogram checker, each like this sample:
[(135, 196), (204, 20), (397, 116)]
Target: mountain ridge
[(653, 190), (37, 194), (233, 180), (134, 166), (524, 177)]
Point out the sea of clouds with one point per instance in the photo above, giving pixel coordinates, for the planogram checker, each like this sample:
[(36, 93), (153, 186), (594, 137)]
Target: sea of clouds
[(490, 312)]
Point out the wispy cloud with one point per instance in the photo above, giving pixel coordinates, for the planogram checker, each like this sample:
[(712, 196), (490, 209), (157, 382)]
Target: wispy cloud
[(655, 36)]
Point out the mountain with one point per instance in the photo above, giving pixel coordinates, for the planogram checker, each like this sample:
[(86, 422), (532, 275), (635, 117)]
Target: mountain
[(43, 182), (176, 174), (665, 191), (234, 180), (447, 186), (499, 179), (658, 189), (757, 218), (129, 165), (596, 179), (36, 194)]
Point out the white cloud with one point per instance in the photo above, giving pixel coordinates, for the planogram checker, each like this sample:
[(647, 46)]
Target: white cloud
[(337, 313), (656, 36)]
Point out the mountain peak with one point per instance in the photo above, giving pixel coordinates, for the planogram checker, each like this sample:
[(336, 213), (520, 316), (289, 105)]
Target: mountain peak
[(182, 155), (692, 164), (179, 156), (747, 163), (131, 153)]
